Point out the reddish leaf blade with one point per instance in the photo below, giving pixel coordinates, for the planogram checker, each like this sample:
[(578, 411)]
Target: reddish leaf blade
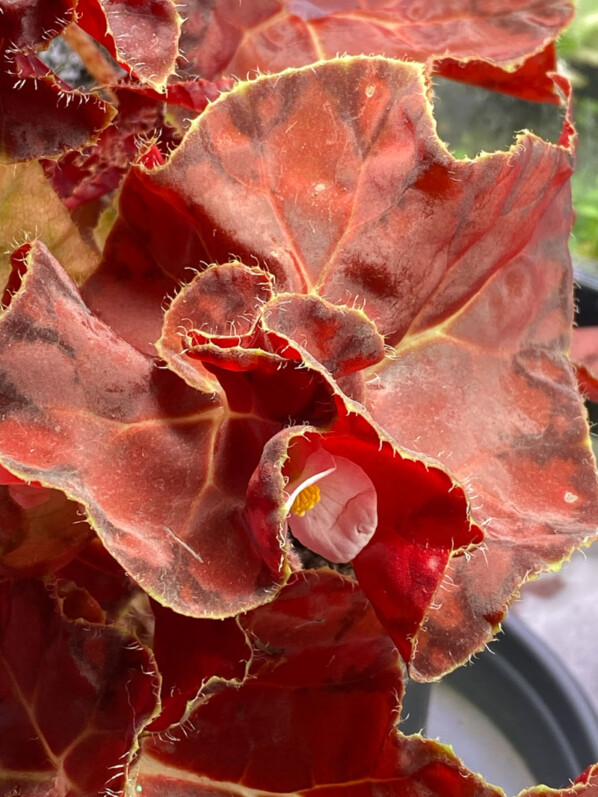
[(584, 353), (484, 384), (102, 578), (231, 39), (91, 172), (141, 265), (189, 653), (77, 696), (141, 35), (44, 117), (422, 516), (342, 339), (532, 80), (85, 389), (320, 659), (29, 24), (41, 530)]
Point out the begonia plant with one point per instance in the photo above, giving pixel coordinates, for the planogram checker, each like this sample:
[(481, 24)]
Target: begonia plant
[(286, 404)]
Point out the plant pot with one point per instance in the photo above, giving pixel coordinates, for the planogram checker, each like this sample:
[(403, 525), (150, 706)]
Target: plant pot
[(530, 698)]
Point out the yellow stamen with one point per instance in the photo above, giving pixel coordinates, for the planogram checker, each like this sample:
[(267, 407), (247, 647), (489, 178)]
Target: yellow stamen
[(307, 499)]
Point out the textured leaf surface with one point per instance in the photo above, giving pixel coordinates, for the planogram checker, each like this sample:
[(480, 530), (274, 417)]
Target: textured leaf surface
[(321, 666), (162, 489), (462, 266), (422, 516), (46, 219), (141, 34), (320, 657), (93, 171), (74, 697), (44, 117), (40, 530), (584, 353), (227, 38), (189, 652), (31, 23), (102, 578)]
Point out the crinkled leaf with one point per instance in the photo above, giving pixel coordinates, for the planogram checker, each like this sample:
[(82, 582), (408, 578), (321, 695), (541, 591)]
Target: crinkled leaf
[(40, 530), (189, 652), (42, 116), (142, 35), (321, 666), (89, 173), (74, 697), (228, 38), (422, 517), (342, 339), (100, 575), (584, 353), (166, 486), (320, 658), (46, 219), (463, 267), (31, 23)]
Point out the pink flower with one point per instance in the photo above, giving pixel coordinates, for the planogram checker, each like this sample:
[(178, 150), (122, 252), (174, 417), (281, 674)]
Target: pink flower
[(332, 507)]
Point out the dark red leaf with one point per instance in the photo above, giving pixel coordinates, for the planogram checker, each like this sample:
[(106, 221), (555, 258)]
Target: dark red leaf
[(462, 265), (584, 353), (321, 664), (75, 696), (42, 116), (40, 530), (29, 24), (100, 575), (141, 265), (166, 486), (189, 652), (316, 716), (91, 172), (228, 38), (142, 35)]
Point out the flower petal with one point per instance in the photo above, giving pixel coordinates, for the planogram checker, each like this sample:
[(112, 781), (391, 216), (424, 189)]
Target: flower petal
[(342, 523)]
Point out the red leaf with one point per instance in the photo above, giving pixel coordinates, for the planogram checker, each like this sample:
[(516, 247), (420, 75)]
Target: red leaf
[(204, 446), (142, 35), (41, 530), (584, 353), (531, 80), (321, 663), (232, 39), (31, 23), (342, 339), (42, 116), (100, 575), (75, 696), (462, 266), (189, 652), (91, 172), (422, 517), (321, 666)]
